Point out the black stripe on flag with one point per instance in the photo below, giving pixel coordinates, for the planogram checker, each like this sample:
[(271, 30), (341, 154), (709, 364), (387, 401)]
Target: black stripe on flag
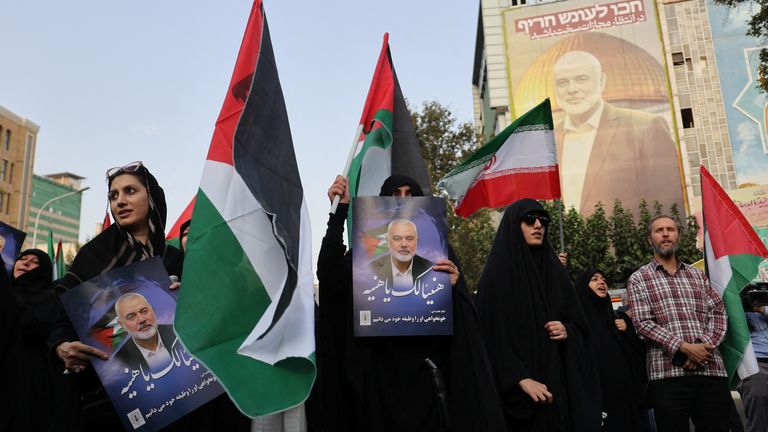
[(264, 157)]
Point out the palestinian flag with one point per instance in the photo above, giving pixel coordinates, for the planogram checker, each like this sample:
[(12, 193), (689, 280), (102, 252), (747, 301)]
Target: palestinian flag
[(733, 252), (107, 221), (520, 162), (246, 308), (59, 267), (388, 144), (185, 216), (52, 254)]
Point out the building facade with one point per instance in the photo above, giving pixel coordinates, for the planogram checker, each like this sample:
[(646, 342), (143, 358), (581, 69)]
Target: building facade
[(662, 62), (18, 138), (62, 216)]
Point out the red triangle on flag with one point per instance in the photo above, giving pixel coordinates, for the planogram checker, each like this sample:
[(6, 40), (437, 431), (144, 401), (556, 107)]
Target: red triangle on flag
[(107, 222), (185, 216), (729, 231)]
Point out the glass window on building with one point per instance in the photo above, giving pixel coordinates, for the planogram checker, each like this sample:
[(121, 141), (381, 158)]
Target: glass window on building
[(678, 59), (686, 114), (7, 144), (3, 169)]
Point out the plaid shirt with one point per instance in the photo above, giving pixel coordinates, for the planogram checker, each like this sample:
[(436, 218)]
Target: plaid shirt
[(668, 310)]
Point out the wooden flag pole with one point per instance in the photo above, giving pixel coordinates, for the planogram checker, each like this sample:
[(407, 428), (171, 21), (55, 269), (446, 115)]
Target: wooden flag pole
[(351, 156)]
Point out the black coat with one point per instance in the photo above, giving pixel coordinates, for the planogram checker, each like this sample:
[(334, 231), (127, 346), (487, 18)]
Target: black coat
[(383, 383)]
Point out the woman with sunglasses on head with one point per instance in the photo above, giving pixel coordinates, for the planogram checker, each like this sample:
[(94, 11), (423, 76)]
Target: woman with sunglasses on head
[(137, 203), (535, 331)]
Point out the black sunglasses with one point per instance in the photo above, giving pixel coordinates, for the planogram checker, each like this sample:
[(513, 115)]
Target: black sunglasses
[(530, 219)]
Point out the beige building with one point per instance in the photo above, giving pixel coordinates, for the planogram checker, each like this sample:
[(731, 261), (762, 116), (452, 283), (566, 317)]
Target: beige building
[(698, 120), (18, 137)]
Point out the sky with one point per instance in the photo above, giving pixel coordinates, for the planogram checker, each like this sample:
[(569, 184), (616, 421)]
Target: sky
[(113, 82)]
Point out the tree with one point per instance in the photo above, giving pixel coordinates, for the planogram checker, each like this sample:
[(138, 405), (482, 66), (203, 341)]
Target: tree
[(757, 27), (597, 243), (444, 143), (629, 251)]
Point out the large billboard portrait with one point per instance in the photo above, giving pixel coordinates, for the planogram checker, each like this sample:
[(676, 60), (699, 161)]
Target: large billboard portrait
[(601, 64), (395, 244)]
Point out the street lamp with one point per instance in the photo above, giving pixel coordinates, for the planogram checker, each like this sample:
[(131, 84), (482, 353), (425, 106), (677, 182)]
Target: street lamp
[(37, 219)]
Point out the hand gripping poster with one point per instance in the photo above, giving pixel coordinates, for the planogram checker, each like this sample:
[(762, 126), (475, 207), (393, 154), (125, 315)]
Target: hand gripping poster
[(149, 376), (395, 244)]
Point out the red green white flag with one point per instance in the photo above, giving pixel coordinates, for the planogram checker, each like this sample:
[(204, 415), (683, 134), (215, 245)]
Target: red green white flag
[(246, 306), (388, 144), (520, 162), (733, 252)]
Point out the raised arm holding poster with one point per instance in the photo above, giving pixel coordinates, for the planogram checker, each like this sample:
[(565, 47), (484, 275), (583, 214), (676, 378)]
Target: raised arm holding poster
[(396, 243), (149, 376)]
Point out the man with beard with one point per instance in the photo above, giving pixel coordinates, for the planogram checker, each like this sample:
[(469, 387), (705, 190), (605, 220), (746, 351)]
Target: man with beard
[(402, 268), (683, 319), (148, 349)]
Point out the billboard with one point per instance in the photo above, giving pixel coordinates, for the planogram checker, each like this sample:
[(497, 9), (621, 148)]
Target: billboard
[(602, 66), (737, 58)]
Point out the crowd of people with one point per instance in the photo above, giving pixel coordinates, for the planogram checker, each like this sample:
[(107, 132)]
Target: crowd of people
[(532, 351)]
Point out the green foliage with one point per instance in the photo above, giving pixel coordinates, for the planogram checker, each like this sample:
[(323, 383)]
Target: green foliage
[(444, 142), (757, 27)]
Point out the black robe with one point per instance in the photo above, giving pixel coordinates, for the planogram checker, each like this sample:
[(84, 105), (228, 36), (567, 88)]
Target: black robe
[(37, 378), (521, 289), (383, 383), (614, 351)]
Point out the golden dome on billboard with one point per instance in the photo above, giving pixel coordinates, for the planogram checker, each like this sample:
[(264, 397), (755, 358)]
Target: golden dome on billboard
[(632, 74)]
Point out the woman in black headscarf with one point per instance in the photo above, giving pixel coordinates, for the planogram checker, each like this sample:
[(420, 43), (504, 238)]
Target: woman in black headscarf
[(37, 311), (613, 349), (535, 332), (386, 383), (137, 203)]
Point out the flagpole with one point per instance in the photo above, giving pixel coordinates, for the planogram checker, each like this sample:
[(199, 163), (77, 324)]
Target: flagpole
[(351, 156), (562, 231)]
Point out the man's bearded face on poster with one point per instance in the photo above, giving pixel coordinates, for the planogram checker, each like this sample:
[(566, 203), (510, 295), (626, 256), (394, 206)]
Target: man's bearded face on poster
[(402, 239)]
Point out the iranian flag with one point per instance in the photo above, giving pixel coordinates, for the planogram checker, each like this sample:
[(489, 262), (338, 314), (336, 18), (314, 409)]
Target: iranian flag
[(246, 306), (733, 252), (520, 162), (386, 142)]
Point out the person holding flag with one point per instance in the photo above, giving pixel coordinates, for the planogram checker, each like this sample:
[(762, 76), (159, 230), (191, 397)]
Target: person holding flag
[(390, 383), (733, 252), (683, 319)]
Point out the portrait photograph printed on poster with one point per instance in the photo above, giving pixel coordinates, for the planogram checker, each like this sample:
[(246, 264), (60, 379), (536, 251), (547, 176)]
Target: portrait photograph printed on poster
[(395, 244), (602, 65), (149, 376), (11, 241)]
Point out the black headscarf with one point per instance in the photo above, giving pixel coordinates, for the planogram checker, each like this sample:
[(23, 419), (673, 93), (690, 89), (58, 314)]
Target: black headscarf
[(384, 383), (35, 286), (395, 181), (620, 356), (598, 311), (521, 289), (116, 247), (183, 226)]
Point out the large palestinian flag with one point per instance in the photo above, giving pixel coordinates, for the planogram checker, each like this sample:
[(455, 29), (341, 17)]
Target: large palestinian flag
[(246, 305), (520, 162), (388, 144), (733, 252)]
